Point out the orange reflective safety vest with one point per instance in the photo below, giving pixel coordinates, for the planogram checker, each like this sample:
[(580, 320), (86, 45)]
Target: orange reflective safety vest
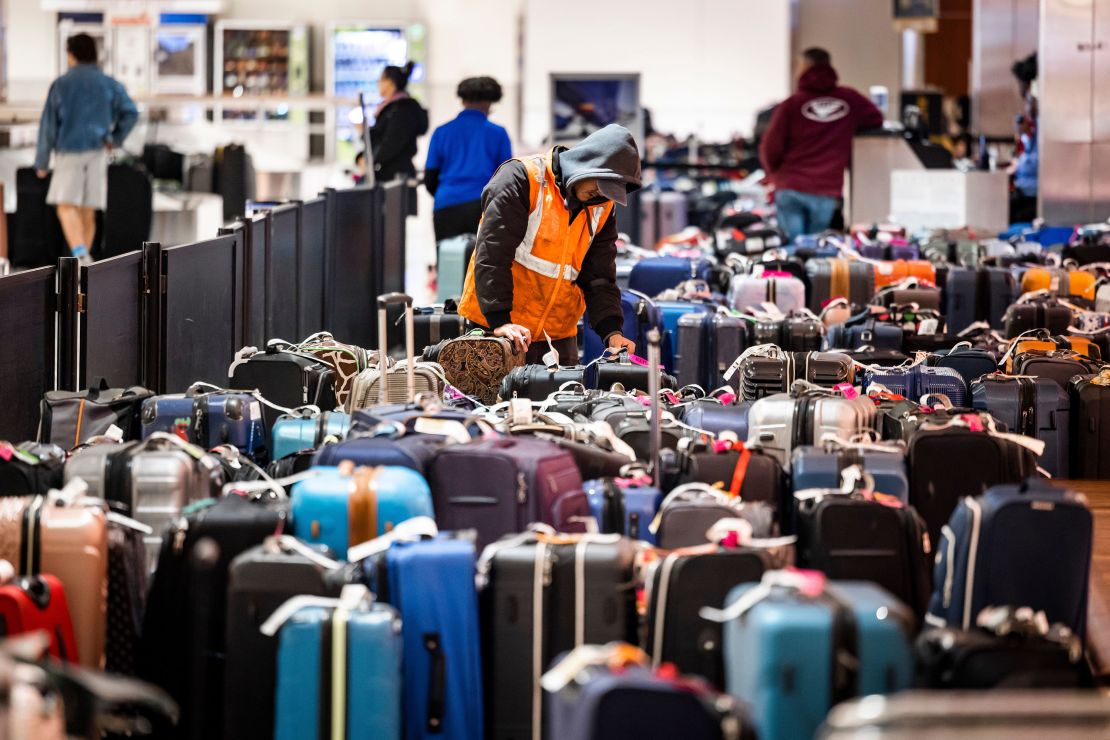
[(547, 261)]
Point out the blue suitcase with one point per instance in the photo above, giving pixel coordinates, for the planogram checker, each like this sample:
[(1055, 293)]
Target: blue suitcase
[(1035, 407), (868, 333), (817, 467), (431, 583), (172, 414), (295, 433), (669, 313), (339, 673), (1026, 544), (713, 416), (640, 314), (970, 362), (413, 451), (779, 655), (977, 294), (341, 510), (623, 508), (654, 275), (920, 380), (232, 418)]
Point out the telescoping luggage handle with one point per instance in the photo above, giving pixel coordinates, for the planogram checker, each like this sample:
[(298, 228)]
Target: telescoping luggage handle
[(654, 371), (384, 302)]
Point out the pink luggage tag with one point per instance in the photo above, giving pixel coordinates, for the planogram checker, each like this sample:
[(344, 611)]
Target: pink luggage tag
[(974, 423), (637, 360), (727, 399), (671, 398), (811, 583), (637, 480), (846, 390), (775, 274), (6, 451)]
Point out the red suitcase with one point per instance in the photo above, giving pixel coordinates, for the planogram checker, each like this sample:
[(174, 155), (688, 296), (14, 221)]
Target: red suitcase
[(38, 603)]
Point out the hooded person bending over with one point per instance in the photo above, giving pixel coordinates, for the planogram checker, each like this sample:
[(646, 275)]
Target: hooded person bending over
[(546, 248)]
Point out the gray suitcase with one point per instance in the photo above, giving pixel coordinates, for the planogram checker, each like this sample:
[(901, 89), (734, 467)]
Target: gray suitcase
[(688, 512), (1014, 714), (1035, 407), (661, 214), (827, 276), (451, 265), (781, 422), (149, 481)]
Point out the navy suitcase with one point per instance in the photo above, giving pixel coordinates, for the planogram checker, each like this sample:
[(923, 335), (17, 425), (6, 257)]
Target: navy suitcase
[(1027, 544), (431, 584), (1035, 407), (654, 275), (624, 506), (866, 333), (977, 294), (407, 450), (851, 638), (970, 362), (339, 670), (921, 380), (172, 414), (232, 418), (640, 314)]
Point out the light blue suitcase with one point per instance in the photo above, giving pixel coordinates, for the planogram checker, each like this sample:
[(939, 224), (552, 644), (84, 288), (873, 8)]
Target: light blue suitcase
[(339, 671), (321, 506), (295, 433), (779, 654)]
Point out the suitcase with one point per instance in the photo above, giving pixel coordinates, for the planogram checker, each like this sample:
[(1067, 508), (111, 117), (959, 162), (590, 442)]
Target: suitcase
[(926, 297), (498, 486), (640, 314), (128, 578), (761, 375), (431, 584), (689, 511), (608, 700), (707, 345), (1041, 340), (1089, 397), (1041, 314), (866, 333), (408, 450), (839, 278), (288, 379), (1059, 365), (72, 418), (779, 423), (624, 506), (1008, 648), (947, 463), (129, 212), (171, 413), (183, 645), (821, 466), (231, 418), (70, 542), (669, 314), (346, 360), (921, 380), (339, 670), (432, 325), (977, 294), (260, 581), (609, 371), (654, 275), (662, 213), (37, 239), (293, 434), (864, 537), (780, 289), (150, 481), (889, 273), (38, 602), (233, 178), (1025, 544), (851, 639), (475, 364), (1059, 282), (1035, 407), (970, 362), (452, 260), (541, 597), (715, 417), (404, 380), (30, 468), (749, 474), (537, 382), (680, 583), (340, 509), (972, 715), (794, 333)]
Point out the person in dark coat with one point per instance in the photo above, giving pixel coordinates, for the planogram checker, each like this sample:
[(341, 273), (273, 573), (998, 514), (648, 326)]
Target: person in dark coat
[(398, 122)]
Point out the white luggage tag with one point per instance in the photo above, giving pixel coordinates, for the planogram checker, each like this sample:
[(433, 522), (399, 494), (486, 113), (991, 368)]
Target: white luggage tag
[(353, 597), (577, 660), (773, 311), (453, 429), (762, 350), (241, 357), (520, 411), (69, 494), (409, 530), (289, 543), (551, 357)]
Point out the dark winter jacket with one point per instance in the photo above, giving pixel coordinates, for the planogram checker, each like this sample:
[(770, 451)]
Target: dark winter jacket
[(809, 142), (393, 137)]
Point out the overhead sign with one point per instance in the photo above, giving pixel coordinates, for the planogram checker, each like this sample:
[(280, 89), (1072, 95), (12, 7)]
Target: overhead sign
[(916, 15)]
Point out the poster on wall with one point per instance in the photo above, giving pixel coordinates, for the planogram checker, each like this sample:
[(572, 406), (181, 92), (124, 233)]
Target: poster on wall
[(584, 103), (916, 15)]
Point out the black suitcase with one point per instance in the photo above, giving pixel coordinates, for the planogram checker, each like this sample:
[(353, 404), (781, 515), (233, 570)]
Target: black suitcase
[(431, 325), (259, 581), (537, 382), (163, 163), (792, 333), (761, 479), (761, 376), (233, 178), (1035, 407), (183, 644), (1009, 648), (1046, 314), (947, 464), (31, 468), (857, 280), (1090, 431), (681, 584), (287, 379), (852, 538), (1059, 365), (36, 237), (970, 362), (631, 376), (708, 343), (519, 640), (129, 214)]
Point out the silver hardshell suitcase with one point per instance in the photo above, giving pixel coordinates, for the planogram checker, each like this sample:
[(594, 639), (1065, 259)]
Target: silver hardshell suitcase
[(404, 380), (780, 422), (160, 476), (746, 291)]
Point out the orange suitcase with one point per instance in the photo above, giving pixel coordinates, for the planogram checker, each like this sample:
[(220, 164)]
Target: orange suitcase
[(71, 543), (891, 272), (1059, 282)]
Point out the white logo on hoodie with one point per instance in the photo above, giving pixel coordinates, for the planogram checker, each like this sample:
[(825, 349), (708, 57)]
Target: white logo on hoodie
[(825, 110)]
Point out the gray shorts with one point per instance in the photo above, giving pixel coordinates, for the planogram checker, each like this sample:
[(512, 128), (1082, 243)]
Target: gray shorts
[(80, 179)]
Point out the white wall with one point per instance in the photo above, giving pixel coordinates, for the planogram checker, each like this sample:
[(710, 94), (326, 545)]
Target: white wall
[(706, 66), (31, 50)]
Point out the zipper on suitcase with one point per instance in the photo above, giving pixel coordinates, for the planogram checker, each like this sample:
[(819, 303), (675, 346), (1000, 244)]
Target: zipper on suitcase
[(1027, 402)]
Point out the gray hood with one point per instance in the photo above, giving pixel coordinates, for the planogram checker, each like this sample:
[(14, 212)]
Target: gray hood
[(609, 153)]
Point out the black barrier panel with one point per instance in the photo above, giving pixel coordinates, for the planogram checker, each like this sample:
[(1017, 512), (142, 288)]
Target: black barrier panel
[(351, 298), (281, 281), (111, 325), (28, 301), (198, 315), (310, 270), (395, 208), (257, 268)]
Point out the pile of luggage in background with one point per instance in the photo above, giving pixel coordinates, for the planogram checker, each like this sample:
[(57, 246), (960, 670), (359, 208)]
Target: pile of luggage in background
[(828, 480)]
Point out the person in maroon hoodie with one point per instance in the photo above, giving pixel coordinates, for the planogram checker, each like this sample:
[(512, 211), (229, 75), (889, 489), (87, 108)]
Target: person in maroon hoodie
[(809, 143)]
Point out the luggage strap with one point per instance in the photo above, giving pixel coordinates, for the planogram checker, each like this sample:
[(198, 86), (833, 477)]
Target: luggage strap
[(741, 470)]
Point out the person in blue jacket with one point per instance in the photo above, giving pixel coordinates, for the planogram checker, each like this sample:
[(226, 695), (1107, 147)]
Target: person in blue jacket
[(462, 156)]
